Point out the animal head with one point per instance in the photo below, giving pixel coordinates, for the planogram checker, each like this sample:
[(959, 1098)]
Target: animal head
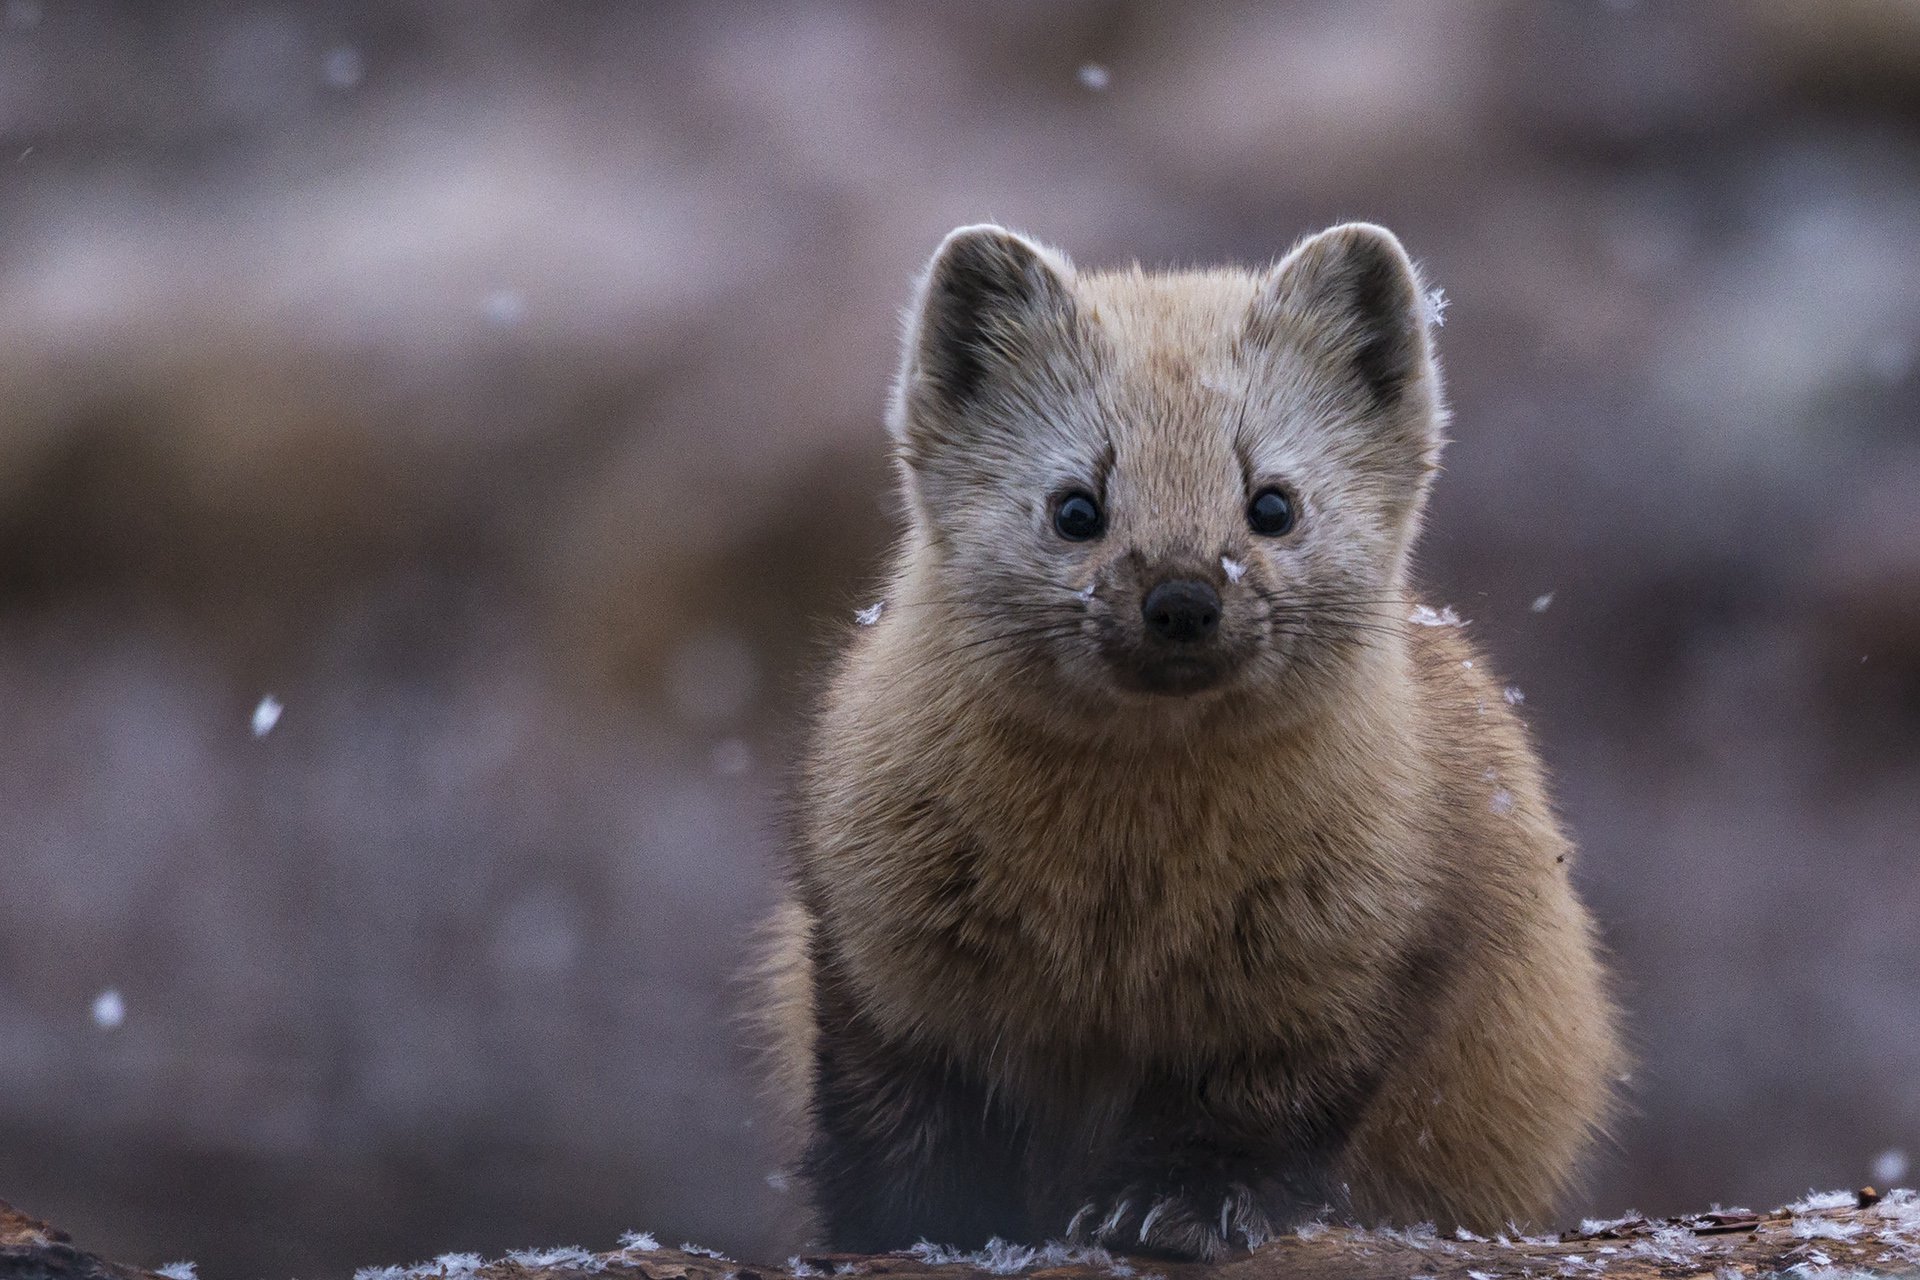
[(1166, 487)]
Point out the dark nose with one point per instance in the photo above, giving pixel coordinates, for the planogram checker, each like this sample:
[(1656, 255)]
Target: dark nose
[(1183, 611)]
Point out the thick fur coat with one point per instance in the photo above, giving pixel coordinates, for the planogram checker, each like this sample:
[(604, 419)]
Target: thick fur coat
[(1173, 943)]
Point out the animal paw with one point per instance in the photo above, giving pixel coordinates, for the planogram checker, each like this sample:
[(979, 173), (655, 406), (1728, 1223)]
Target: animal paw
[(1202, 1226)]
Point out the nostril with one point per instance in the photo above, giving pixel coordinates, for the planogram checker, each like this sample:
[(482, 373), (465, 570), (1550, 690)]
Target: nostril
[(1182, 610)]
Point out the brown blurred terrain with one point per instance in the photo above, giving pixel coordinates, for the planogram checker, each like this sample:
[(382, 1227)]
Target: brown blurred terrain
[(498, 386)]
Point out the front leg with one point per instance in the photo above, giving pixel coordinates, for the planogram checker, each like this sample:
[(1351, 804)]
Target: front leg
[(907, 1145), (1226, 1158)]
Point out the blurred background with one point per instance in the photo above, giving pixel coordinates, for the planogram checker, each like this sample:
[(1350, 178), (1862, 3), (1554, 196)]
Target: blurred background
[(497, 389)]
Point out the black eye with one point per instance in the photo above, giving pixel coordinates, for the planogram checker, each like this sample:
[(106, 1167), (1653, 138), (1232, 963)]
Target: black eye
[(1077, 517), (1270, 514)]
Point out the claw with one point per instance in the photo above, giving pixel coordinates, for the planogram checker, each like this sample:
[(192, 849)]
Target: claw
[(1153, 1216), (1112, 1224), (1226, 1207), (1073, 1227)]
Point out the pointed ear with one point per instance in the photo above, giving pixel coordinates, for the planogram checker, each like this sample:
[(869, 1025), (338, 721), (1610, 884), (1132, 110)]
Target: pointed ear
[(1353, 298), (990, 301)]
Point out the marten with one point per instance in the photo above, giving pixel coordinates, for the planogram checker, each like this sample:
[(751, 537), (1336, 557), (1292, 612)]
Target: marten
[(1165, 874)]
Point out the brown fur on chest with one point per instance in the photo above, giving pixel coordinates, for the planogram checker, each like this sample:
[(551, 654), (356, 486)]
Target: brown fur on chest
[(1010, 899)]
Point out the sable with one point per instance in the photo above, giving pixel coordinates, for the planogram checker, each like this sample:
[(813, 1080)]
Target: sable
[(1165, 873)]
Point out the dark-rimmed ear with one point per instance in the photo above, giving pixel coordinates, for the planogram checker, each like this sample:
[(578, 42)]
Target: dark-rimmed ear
[(990, 300), (1352, 297)]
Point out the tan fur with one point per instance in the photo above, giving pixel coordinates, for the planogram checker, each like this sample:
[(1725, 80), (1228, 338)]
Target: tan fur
[(780, 1020), (1062, 885)]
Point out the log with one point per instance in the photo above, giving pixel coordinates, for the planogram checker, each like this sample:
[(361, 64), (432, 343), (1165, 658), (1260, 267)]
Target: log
[(1844, 1234)]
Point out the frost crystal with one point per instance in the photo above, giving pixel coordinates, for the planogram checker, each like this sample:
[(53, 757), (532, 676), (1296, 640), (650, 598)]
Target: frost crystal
[(266, 715), (1429, 617), (1819, 1266), (1825, 1229), (1902, 1208), (1542, 602), (1502, 802), (1002, 1258), (565, 1256), (1513, 695), (1890, 1166), (1819, 1201), (639, 1241), (1055, 1254), (109, 1011), (183, 1271), (380, 1273), (1436, 308), (1084, 594), (1669, 1244), (1095, 77), (936, 1255), (453, 1266), (871, 614), (1234, 569)]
